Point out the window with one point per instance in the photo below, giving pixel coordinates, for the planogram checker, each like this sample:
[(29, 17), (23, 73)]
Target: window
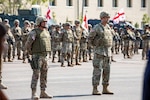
[(115, 3), (52, 2), (100, 3), (143, 3), (129, 3), (86, 3), (69, 3)]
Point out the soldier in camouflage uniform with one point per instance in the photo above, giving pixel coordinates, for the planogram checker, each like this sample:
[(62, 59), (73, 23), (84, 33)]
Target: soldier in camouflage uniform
[(128, 42), (77, 31), (56, 43), (10, 41), (25, 32), (145, 42), (116, 40), (83, 46), (67, 42), (89, 47), (38, 45), (16, 31), (101, 38), (137, 41)]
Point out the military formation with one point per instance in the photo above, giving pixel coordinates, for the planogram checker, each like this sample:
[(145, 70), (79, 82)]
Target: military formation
[(73, 44), (126, 40)]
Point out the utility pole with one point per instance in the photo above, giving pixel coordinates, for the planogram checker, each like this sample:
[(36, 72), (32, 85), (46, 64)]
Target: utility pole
[(83, 2)]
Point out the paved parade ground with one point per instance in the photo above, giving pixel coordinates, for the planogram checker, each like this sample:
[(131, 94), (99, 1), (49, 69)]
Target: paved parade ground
[(75, 83)]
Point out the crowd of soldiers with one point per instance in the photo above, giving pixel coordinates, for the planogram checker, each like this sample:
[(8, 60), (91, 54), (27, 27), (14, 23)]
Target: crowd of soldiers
[(70, 42)]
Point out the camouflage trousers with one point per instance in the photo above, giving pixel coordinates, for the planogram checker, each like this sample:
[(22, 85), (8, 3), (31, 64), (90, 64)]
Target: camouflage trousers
[(40, 71), (101, 65)]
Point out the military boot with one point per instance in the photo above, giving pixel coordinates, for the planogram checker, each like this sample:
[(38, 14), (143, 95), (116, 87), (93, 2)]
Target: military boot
[(9, 60), (2, 86), (105, 90), (34, 95), (45, 95), (95, 91)]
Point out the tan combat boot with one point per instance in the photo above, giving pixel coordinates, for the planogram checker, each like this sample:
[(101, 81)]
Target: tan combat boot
[(45, 95), (95, 91), (34, 95), (105, 90)]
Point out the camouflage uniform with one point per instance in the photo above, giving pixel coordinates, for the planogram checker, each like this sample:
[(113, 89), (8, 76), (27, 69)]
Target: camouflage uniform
[(101, 37), (10, 41), (56, 43), (128, 40), (145, 42), (83, 46), (77, 31), (25, 32), (16, 31), (38, 44), (137, 42), (67, 41)]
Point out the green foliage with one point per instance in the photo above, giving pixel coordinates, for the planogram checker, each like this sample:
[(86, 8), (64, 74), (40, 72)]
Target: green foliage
[(136, 25), (145, 19)]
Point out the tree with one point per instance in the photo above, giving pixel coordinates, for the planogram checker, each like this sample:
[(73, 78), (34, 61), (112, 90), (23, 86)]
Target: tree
[(145, 19)]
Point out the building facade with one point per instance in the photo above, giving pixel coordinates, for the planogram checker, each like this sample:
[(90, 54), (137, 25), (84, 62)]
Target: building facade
[(70, 10)]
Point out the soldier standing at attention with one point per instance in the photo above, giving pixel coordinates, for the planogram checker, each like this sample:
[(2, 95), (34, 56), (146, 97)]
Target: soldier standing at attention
[(38, 45), (10, 41), (67, 42), (77, 30), (145, 42), (25, 32), (101, 38), (16, 31), (56, 43)]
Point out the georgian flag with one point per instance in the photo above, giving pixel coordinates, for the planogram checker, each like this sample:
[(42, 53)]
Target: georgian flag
[(120, 16), (48, 16), (85, 23)]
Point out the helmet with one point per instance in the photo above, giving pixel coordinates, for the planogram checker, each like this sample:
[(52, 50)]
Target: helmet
[(6, 20), (16, 21), (26, 22), (110, 24), (40, 19), (76, 22)]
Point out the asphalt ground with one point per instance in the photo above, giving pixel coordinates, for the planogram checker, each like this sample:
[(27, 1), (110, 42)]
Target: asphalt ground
[(75, 83)]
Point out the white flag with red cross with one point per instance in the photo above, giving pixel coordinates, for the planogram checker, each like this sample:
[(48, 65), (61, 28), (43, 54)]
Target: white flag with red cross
[(120, 16), (85, 23), (48, 13)]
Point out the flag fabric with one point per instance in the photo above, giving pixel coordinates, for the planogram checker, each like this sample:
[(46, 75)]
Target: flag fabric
[(85, 23), (120, 16), (48, 16)]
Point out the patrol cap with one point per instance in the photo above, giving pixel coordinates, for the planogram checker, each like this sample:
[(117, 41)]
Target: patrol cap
[(57, 26), (115, 28), (77, 22), (104, 14), (67, 24)]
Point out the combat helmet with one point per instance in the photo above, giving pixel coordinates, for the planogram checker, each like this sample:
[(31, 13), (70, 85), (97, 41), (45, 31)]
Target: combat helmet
[(26, 22), (40, 19), (16, 21)]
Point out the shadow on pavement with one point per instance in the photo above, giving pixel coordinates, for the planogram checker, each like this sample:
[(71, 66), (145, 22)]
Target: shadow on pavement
[(68, 96)]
